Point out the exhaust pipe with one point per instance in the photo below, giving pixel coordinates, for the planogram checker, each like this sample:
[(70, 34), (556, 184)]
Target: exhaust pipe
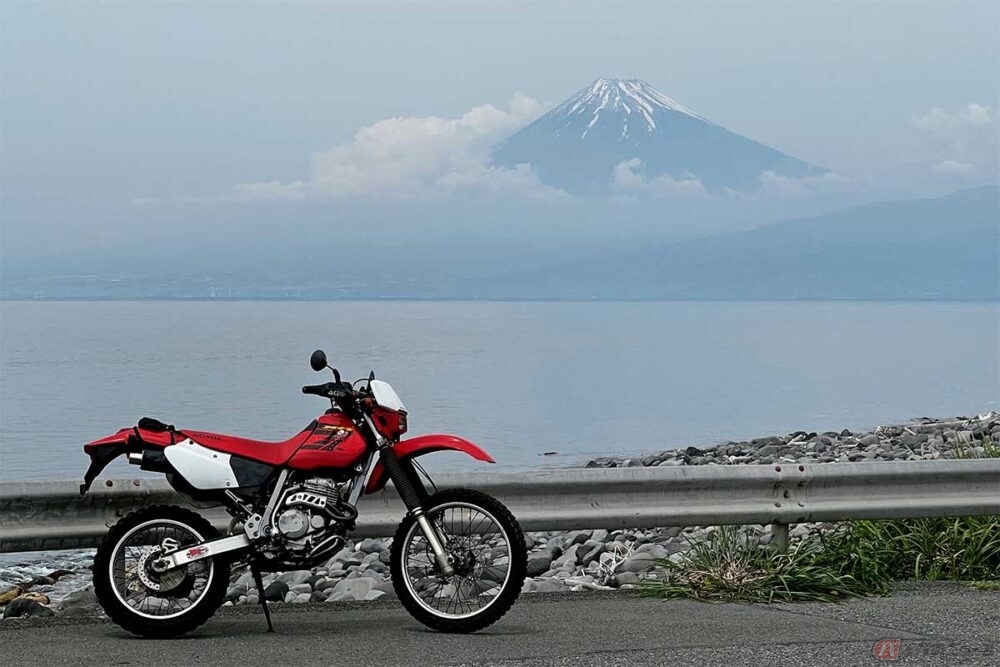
[(151, 460)]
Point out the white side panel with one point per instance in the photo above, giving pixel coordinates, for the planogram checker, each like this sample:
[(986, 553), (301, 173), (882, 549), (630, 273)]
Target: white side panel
[(386, 396), (204, 468)]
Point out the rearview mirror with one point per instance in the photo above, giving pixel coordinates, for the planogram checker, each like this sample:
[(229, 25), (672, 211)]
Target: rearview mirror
[(318, 360)]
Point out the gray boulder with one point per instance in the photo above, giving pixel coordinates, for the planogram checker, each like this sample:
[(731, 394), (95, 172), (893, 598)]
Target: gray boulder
[(655, 550), (26, 607), (568, 559), (576, 537), (548, 586), (539, 563), (295, 577), (371, 546), (276, 591), (623, 578), (638, 562), (81, 602), (589, 551), (377, 567), (351, 589), (386, 587), (326, 584)]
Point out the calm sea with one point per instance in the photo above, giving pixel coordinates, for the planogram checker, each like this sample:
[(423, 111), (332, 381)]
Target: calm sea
[(521, 379)]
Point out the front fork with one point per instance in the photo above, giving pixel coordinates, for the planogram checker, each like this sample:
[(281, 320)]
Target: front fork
[(436, 540), (414, 504)]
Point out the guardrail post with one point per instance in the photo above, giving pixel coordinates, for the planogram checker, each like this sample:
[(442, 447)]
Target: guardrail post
[(779, 537)]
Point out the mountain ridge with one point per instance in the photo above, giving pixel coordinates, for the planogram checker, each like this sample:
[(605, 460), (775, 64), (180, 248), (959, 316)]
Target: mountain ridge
[(940, 248), (577, 145)]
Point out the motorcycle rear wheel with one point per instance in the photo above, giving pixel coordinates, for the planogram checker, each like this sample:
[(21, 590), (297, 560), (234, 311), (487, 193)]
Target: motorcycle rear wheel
[(152, 604), (487, 549)]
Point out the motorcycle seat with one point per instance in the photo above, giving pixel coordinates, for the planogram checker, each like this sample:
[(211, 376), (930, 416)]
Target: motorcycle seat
[(262, 451)]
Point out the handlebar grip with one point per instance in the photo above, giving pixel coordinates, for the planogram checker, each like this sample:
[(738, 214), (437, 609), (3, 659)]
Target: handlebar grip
[(331, 390)]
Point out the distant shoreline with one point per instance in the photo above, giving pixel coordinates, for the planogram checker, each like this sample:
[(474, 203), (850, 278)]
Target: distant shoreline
[(398, 299)]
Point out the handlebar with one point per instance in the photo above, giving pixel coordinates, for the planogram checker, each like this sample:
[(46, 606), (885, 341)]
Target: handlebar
[(333, 390), (317, 389)]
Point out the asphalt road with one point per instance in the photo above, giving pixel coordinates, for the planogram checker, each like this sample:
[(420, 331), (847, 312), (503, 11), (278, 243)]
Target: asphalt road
[(937, 624)]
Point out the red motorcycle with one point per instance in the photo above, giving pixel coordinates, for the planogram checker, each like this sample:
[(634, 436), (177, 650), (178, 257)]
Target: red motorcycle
[(458, 557)]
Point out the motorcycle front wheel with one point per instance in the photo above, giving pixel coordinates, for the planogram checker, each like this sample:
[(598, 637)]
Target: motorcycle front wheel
[(486, 548), (158, 604)]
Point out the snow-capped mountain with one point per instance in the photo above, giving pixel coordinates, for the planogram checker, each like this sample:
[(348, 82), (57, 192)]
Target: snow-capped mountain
[(623, 133)]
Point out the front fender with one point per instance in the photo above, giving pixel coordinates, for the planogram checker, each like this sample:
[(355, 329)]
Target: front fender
[(425, 444)]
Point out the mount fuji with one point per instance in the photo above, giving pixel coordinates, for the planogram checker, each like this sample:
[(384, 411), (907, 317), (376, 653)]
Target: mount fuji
[(619, 132)]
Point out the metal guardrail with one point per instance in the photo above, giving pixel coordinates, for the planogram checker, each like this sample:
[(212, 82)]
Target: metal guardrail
[(38, 516)]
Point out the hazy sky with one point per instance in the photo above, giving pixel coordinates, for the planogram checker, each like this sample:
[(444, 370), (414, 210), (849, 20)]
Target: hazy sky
[(105, 104)]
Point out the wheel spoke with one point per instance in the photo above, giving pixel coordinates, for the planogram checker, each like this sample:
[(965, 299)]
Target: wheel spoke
[(472, 535), (132, 575)]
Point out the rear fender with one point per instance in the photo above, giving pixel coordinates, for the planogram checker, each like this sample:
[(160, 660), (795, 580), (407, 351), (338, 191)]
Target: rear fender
[(425, 444), (105, 450), (121, 437)]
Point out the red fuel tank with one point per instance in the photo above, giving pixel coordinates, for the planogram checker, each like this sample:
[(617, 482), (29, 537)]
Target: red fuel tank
[(335, 443)]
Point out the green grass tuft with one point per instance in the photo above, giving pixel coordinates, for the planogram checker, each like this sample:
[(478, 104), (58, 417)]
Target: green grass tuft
[(732, 565), (855, 559), (959, 549), (985, 585)]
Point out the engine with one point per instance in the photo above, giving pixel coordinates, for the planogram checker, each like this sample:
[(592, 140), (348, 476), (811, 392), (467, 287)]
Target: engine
[(313, 518)]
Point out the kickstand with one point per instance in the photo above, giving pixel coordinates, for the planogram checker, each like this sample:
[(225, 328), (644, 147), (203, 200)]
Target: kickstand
[(260, 591)]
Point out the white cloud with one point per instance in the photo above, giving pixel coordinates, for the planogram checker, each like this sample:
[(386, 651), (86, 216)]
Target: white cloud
[(951, 167), (772, 183), (625, 178), (417, 157), (963, 142)]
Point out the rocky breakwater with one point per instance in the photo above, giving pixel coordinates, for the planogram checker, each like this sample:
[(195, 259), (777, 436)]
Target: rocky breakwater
[(923, 439), (598, 559)]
